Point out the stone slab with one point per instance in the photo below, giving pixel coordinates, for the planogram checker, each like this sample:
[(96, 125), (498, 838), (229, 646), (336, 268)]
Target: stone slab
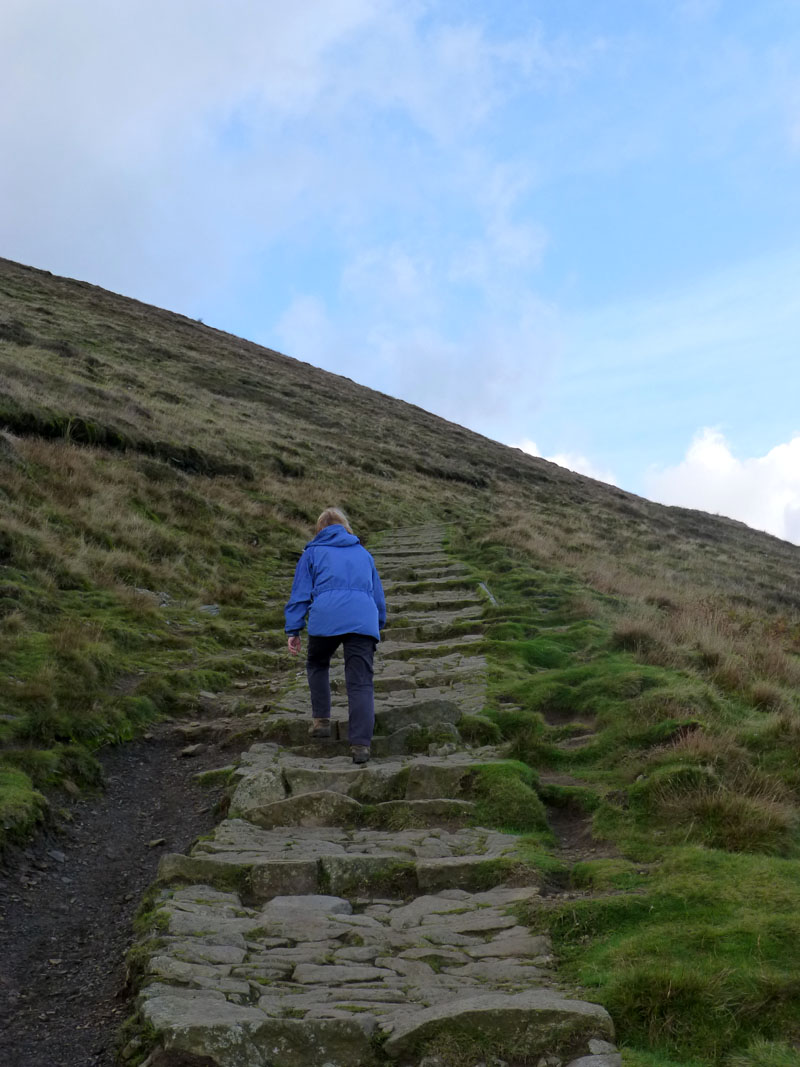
[(527, 1023)]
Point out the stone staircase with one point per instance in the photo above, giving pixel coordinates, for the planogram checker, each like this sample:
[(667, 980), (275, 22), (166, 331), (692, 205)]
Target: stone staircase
[(354, 916)]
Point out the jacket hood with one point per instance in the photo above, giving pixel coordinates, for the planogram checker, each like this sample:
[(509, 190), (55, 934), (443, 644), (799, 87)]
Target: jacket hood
[(334, 536)]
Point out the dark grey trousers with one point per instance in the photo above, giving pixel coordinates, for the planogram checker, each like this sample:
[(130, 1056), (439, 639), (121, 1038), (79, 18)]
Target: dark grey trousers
[(359, 650)]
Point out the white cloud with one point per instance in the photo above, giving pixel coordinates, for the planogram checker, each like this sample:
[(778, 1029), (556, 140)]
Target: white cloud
[(492, 375), (478, 350), (762, 491), (306, 331), (527, 445), (573, 461), (116, 157), (195, 134)]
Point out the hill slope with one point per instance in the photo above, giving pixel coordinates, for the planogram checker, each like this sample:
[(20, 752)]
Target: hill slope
[(159, 478)]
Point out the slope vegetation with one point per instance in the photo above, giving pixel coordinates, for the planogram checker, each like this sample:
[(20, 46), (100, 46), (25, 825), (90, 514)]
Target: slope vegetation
[(159, 478)]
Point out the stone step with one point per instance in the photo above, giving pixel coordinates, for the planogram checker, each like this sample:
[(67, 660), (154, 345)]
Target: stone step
[(421, 572), (330, 808), (433, 535), (261, 864), (408, 741), (443, 616), (428, 553), (435, 601), (577, 741), (406, 675), (433, 532), (307, 980), (392, 549), (292, 731), (268, 774), (392, 649), (398, 708), (412, 633), (448, 651), (411, 660), (429, 584), (342, 916)]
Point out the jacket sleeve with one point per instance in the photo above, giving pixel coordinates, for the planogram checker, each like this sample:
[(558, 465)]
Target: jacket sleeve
[(378, 597), (300, 597)]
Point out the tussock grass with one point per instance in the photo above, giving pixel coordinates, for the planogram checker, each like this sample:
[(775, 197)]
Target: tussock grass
[(507, 798), (762, 1053), (692, 774), (697, 961)]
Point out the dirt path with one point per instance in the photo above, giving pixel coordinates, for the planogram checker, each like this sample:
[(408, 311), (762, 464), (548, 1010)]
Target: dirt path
[(68, 899)]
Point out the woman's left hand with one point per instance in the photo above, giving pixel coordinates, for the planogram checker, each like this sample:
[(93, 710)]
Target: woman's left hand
[(295, 645)]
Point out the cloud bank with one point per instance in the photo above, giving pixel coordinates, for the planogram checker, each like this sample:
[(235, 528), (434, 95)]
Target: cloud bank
[(762, 491)]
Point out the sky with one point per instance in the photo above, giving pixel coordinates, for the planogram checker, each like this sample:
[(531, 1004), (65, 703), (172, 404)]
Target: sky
[(571, 226)]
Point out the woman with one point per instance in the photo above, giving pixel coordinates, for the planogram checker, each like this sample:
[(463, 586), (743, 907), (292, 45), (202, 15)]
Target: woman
[(337, 586)]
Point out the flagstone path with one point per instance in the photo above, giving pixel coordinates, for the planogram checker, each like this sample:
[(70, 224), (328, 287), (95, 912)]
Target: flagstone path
[(354, 916)]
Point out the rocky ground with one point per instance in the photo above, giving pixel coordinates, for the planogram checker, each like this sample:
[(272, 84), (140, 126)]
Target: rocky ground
[(353, 916)]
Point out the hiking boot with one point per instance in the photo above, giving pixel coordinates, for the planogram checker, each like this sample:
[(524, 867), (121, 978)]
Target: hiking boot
[(360, 753), (320, 729)]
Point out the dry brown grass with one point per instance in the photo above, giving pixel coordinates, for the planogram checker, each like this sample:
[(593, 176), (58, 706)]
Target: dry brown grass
[(744, 818), (676, 610), (721, 751), (706, 788)]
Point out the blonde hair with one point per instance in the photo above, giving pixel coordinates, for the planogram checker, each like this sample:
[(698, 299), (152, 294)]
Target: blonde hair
[(331, 516)]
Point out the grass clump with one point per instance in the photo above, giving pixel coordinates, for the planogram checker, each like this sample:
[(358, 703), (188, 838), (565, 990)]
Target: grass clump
[(506, 797), (479, 730), (691, 804), (700, 960), (760, 1053), (21, 805), (607, 874)]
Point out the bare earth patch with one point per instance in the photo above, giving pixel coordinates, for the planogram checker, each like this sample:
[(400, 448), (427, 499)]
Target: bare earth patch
[(67, 902)]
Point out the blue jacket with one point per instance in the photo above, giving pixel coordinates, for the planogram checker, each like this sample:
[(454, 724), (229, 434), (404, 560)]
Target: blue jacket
[(337, 586)]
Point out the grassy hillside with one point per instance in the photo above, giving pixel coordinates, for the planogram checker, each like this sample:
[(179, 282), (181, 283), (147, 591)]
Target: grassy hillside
[(158, 479)]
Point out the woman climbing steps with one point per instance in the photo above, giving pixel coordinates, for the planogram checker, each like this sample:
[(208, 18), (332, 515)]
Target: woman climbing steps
[(336, 585)]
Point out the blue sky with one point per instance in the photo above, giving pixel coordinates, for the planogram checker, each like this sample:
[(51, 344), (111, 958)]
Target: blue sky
[(571, 226)]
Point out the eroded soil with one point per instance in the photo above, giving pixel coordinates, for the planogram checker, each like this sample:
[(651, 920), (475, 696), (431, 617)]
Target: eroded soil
[(67, 902)]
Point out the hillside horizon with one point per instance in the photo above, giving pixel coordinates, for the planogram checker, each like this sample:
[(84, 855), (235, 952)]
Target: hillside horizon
[(257, 348)]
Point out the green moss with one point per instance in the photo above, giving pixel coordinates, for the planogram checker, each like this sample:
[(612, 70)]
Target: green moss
[(139, 955), (135, 1040), (218, 776), (542, 652), (506, 797), (512, 871)]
